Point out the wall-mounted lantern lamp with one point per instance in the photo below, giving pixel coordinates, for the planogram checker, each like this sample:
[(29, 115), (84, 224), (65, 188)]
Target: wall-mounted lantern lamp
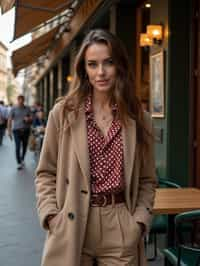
[(145, 40), (155, 32), (153, 35), (69, 78)]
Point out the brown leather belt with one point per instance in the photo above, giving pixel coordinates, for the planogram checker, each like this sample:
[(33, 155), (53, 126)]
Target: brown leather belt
[(102, 200)]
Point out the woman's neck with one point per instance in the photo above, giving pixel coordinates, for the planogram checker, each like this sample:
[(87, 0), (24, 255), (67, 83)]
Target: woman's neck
[(101, 100)]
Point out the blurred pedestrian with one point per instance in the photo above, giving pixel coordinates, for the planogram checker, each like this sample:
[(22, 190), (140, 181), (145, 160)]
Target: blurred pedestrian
[(38, 127), (95, 181), (3, 121), (39, 120), (19, 123), (36, 107)]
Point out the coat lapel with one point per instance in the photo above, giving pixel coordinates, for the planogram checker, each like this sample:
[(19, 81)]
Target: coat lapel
[(129, 145), (80, 141)]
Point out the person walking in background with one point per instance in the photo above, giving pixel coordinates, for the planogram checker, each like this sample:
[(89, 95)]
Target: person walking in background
[(35, 108), (95, 181), (2, 129), (19, 122), (3, 120), (38, 127), (39, 120)]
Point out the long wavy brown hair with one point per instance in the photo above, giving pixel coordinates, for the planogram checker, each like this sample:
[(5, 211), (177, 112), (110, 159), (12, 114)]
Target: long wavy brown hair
[(123, 94)]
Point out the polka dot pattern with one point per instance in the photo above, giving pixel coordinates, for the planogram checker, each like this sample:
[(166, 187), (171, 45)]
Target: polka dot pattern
[(105, 153)]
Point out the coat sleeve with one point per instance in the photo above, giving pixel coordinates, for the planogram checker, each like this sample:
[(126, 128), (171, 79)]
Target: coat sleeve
[(147, 182), (45, 182)]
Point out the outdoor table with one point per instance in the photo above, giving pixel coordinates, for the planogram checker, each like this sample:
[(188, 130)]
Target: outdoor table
[(172, 201), (176, 200)]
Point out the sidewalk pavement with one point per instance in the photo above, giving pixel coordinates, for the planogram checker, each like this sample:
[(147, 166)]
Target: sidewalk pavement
[(21, 239)]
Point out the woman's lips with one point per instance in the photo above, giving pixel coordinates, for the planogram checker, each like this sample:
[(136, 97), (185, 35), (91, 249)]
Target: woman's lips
[(102, 82)]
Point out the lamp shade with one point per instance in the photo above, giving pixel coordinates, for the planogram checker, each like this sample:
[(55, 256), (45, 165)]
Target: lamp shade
[(154, 32), (69, 78), (145, 40)]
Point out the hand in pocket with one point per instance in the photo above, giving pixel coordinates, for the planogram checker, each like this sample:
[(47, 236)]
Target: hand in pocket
[(52, 222)]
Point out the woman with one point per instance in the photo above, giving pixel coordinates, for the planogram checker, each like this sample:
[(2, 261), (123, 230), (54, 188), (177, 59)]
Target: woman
[(38, 130), (96, 178)]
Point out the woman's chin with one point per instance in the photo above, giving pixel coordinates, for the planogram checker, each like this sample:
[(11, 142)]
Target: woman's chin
[(102, 89)]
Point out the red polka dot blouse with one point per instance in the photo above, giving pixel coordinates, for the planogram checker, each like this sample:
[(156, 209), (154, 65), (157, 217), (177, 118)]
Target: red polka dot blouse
[(105, 153)]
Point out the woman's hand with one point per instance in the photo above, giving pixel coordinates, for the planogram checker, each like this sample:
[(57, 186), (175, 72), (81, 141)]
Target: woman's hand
[(50, 219), (54, 221), (142, 228)]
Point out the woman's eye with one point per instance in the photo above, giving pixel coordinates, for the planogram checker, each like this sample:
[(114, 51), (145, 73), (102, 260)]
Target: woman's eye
[(109, 62), (92, 64)]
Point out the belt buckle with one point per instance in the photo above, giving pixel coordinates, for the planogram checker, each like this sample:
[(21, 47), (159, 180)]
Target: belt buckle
[(103, 204), (104, 201)]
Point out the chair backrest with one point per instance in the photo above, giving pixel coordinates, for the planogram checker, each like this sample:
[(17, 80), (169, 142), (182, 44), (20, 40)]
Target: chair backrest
[(167, 183), (187, 228)]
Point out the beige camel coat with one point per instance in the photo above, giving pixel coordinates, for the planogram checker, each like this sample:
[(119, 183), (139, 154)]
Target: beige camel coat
[(63, 185)]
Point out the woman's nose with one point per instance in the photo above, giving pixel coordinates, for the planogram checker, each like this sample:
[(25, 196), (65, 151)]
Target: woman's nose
[(101, 70)]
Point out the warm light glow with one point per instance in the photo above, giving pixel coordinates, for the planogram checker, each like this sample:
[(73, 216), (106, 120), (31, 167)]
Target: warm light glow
[(69, 78), (148, 5), (154, 32), (145, 40)]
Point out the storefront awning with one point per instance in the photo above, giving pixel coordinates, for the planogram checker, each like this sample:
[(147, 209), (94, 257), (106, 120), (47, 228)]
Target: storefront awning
[(27, 55), (31, 13), (6, 5)]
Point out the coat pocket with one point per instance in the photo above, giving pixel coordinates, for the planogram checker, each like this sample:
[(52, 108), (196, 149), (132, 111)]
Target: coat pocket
[(131, 230), (56, 223)]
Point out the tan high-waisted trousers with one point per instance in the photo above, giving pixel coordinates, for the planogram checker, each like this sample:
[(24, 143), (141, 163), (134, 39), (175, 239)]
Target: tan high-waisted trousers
[(112, 237)]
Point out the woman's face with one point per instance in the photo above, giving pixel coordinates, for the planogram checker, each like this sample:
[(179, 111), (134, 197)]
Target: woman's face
[(100, 68)]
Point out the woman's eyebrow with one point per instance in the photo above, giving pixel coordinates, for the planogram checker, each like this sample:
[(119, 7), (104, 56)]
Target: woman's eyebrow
[(94, 60)]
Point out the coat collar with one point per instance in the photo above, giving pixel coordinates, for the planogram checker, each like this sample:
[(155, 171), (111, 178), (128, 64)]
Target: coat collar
[(80, 143)]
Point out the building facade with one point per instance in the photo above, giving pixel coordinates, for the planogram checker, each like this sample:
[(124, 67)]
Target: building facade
[(3, 72), (13, 87), (167, 72)]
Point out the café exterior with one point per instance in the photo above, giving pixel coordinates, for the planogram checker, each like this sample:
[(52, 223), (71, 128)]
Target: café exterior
[(163, 42)]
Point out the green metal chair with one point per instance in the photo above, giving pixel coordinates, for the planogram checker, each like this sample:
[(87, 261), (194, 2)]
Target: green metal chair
[(159, 223), (186, 252)]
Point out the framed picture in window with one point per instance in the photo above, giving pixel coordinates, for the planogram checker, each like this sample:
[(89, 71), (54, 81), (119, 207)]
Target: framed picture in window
[(157, 85)]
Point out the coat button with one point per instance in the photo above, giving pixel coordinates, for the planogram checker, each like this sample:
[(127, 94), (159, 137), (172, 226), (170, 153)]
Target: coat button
[(148, 209), (84, 191), (71, 216), (67, 181)]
